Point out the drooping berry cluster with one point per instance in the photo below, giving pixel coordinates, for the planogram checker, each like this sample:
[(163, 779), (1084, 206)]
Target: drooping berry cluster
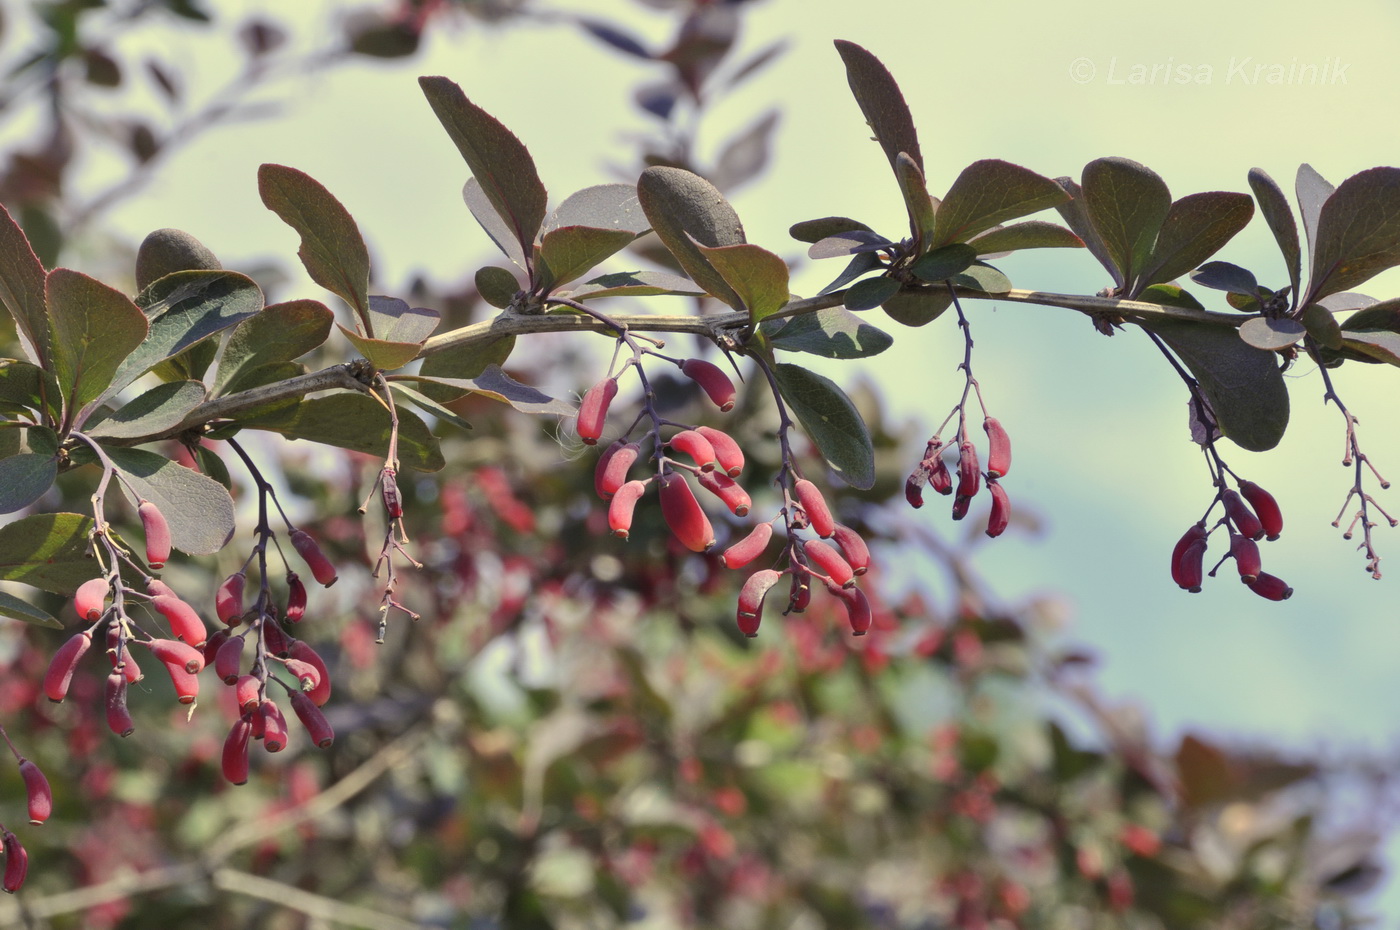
[(934, 472), (40, 804), (1250, 514)]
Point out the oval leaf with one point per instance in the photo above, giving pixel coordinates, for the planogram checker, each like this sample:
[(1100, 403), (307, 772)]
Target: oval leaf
[(1322, 326), (497, 286), (161, 408), (1279, 215), (685, 210), (16, 609), (1196, 227), (849, 242), (832, 332), (465, 362), (1031, 234), (198, 509), (1223, 276), (831, 421), (280, 333), (1270, 334), (572, 251), (603, 206), (982, 277), (1127, 203), (879, 98), (48, 551), (759, 277), (989, 192), (918, 307), (94, 328), (942, 263), (1358, 232), (824, 227), (870, 293)]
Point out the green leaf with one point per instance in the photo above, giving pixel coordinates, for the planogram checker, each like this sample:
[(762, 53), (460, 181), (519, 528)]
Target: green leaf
[(499, 162), (603, 206), (184, 309), (1076, 215), (24, 386), (161, 408), (870, 293), (916, 198), (850, 242), (280, 333), (357, 422), (198, 509), (332, 248), (48, 551), (427, 404), (1031, 234), (497, 286), (94, 329), (990, 192), (400, 332), (1381, 346), (16, 609), (1358, 232), (28, 468), (687, 212), (918, 306), (1243, 384), (1169, 295), (496, 384), (1322, 326), (1271, 334), (825, 227), (942, 263), (212, 466), (1196, 227), (759, 277), (1127, 204), (22, 289), (249, 378), (832, 332), (464, 362), (572, 251), (879, 99), (1279, 215), (1381, 317), (636, 284), (1223, 276), (831, 421), (982, 277), (861, 264)]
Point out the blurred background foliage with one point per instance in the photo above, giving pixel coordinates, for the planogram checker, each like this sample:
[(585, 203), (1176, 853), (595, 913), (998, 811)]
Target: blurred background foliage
[(575, 735)]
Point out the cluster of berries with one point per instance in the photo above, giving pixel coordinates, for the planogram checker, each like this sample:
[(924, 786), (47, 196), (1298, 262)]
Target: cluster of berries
[(1251, 514), (934, 472), (715, 461), (40, 797)]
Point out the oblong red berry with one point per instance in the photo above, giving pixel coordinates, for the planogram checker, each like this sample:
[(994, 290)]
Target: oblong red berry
[(247, 691), (727, 490), (321, 568), (613, 465), (814, 505), (1196, 533), (727, 451), (184, 622), (16, 863), (969, 477), (938, 476), (311, 717), (1239, 513), (275, 639), (235, 756), (712, 380), (853, 548), (1191, 568), (308, 676), (826, 558), (229, 661), (1246, 554), (1271, 587), (800, 592), (228, 600), (695, 446), (914, 487), (683, 514), (857, 609), (213, 644), (750, 547), (186, 684), (157, 534), (64, 662), (751, 597), (998, 448), (624, 503), (118, 717), (1265, 507), (593, 411), (1000, 517), (322, 692), (37, 791), (91, 598), (961, 504), (173, 652), (296, 598), (274, 727)]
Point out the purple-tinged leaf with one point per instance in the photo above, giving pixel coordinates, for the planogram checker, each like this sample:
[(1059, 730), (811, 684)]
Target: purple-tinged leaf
[(755, 63), (659, 99), (685, 212), (497, 385), (1347, 300), (1378, 317), (25, 386), (1322, 326), (163, 407), (759, 277), (880, 100), (490, 221), (499, 162), (814, 231), (497, 286), (1312, 191), (1223, 276), (870, 293), (463, 362), (861, 264), (22, 290), (917, 202), (989, 192), (1358, 232), (401, 330), (636, 284), (745, 155), (942, 263), (609, 34), (572, 251), (280, 333), (1279, 215), (1196, 227), (850, 242), (93, 329), (1381, 346), (355, 421), (332, 249), (918, 306), (1270, 334), (1169, 295), (603, 206), (1030, 234), (1076, 214), (1127, 203)]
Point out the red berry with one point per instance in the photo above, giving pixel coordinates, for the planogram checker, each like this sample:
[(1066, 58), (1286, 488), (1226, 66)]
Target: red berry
[(857, 609), (938, 477), (16, 863), (1267, 509), (998, 448), (1239, 513), (613, 465), (1183, 578), (306, 674), (712, 380), (624, 502), (800, 594), (969, 477), (274, 727), (856, 552), (91, 597), (275, 639), (61, 667), (118, 717), (727, 490), (727, 451), (1000, 516), (1271, 587), (212, 646), (311, 717), (228, 600), (826, 558), (751, 597), (1246, 553), (235, 758), (322, 692), (814, 505), (157, 534), (172, 652), (389, 491), (696, 446), (1192, 570), (36, 788), (296, 598), (229, 660), (321, 568), (750, 547), (593, 411), (186, 684), (116, 647), (683, 515), (184, 622), (914, 487), (961, 504), (248, 692)]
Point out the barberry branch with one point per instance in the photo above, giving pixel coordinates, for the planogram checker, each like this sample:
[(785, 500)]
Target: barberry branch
[(1354, 458)]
